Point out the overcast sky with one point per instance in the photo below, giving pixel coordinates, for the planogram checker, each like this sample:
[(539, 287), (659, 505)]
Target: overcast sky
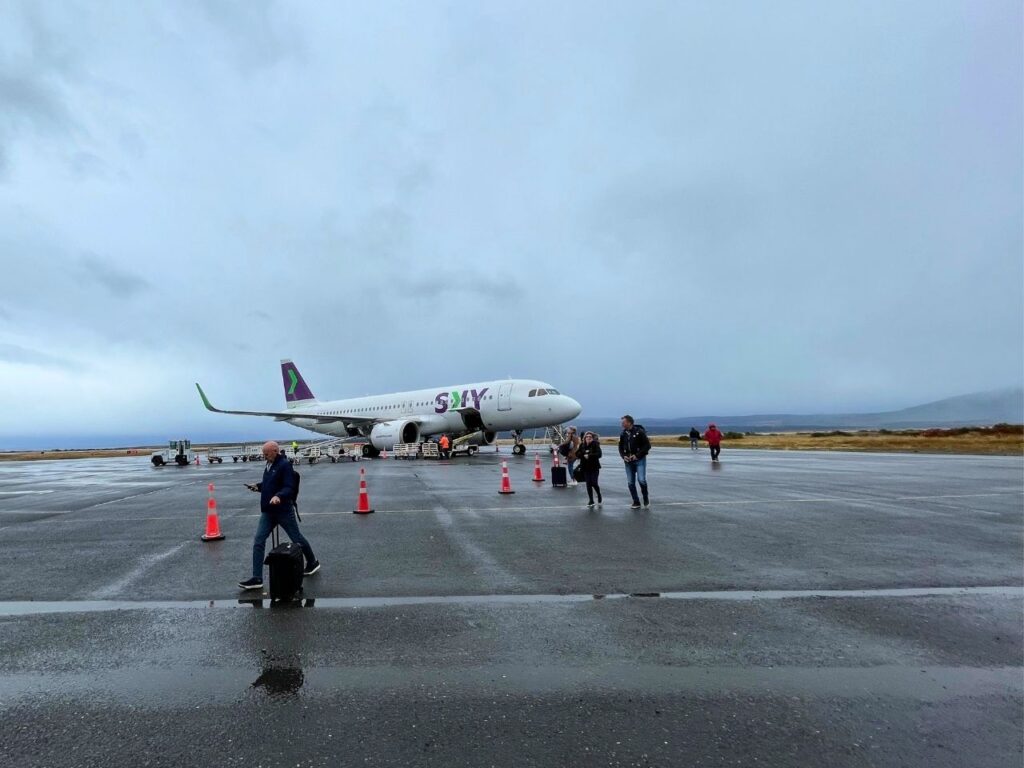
[(667, 208)]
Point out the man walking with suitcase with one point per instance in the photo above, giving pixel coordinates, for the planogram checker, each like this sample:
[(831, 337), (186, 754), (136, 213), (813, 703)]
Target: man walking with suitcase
[(277, 507)]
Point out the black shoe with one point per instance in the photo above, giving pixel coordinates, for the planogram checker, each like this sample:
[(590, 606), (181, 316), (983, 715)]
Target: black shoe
[(590, 504), (251, 584), (311, 569), (647, 502), (635, 505)]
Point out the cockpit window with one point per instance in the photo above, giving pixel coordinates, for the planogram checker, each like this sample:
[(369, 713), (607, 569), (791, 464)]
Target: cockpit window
[(552, 391), (541, 392), (533, 393)]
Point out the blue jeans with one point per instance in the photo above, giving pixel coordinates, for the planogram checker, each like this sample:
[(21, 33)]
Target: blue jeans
[(286, 519), (636, 472), (572, 465)]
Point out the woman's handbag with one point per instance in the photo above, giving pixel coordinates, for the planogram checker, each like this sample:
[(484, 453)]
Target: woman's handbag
[(578, 474)]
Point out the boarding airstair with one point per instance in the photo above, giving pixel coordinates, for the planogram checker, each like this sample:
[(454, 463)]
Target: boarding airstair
[(555, 436)]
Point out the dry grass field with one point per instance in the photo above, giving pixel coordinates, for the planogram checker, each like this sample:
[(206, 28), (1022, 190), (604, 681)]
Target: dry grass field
[(91, 453), (999, 440)]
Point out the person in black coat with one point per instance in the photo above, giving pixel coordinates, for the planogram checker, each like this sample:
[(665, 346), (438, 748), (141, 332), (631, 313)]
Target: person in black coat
[(634, 446), (277, 507), (589, 457)]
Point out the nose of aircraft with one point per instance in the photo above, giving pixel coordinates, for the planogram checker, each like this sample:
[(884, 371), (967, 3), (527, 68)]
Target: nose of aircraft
[(572, 408)]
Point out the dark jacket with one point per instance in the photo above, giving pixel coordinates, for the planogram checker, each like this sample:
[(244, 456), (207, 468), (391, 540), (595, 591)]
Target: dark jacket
[(278, 480), (694, 434), (634, 441), (589, 456)]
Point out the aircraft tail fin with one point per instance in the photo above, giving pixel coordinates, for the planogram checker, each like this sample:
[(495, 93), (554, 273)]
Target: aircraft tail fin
[(296, 392)]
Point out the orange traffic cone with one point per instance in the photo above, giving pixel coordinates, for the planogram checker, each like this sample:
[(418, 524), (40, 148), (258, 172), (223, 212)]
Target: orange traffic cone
[(363, 507), (538, 475), (506, 484), (212, 523), (197, 459), (384, 453)]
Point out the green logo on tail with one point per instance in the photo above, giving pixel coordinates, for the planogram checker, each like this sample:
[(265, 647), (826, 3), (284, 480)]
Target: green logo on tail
[(295, 381), (456, 400)]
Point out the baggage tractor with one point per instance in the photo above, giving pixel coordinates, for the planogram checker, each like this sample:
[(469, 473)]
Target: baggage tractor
[(286, 567), (559, 477)]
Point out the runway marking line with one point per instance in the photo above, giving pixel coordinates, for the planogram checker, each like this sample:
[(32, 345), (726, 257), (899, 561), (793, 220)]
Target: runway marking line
[(146, 563), (610, 506), (29, 607)]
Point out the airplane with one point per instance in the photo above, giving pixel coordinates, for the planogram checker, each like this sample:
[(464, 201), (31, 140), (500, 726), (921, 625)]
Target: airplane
[(478, 410)]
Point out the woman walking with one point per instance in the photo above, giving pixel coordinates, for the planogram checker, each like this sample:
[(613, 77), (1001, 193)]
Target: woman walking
[(589, 457), (572, 444)]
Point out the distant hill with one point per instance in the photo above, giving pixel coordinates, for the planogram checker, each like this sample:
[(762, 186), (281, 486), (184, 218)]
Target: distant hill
[(980, 408)]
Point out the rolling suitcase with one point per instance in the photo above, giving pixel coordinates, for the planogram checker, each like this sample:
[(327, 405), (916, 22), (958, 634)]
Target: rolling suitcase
[(559, 477), (286, 568), (286, 561)]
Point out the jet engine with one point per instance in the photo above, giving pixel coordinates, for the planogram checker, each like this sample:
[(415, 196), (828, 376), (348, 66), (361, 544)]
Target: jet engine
[(387, 434), (482, 438)]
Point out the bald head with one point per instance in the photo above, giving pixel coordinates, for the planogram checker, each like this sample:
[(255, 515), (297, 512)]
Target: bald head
[(270, 450)]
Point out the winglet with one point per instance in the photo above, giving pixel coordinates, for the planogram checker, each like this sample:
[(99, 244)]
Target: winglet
[(206, 400)]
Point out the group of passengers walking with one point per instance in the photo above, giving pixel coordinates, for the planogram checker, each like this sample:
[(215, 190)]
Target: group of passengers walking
[(279, 486), (634, 445)]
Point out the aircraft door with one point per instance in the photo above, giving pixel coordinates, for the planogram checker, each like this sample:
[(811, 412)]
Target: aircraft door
[(505, 397)]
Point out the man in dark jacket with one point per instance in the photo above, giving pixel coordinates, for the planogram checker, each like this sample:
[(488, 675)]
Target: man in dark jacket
[(694, 437), (277, 507), (633, 448)]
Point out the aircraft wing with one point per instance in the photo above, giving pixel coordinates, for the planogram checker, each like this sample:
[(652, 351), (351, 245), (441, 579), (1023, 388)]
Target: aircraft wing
[(282, 415)]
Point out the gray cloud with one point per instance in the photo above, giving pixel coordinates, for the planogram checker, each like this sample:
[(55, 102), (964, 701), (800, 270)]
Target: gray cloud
[(117, 282), (12, 353), (462, 285), (27, 99), (721, 211), (29, 105), (258, 33)]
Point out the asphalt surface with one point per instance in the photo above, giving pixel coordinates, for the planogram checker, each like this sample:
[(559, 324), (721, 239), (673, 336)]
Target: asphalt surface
[(779, 609)]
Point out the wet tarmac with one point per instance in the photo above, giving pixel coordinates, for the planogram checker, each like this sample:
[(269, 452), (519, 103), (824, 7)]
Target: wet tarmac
[(781, 609)]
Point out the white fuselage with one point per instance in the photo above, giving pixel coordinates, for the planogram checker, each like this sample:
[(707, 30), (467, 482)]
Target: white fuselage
[(512, 404)]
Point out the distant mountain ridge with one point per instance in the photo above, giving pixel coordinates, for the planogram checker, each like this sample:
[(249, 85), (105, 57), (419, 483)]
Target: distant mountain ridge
[(979, 408)]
